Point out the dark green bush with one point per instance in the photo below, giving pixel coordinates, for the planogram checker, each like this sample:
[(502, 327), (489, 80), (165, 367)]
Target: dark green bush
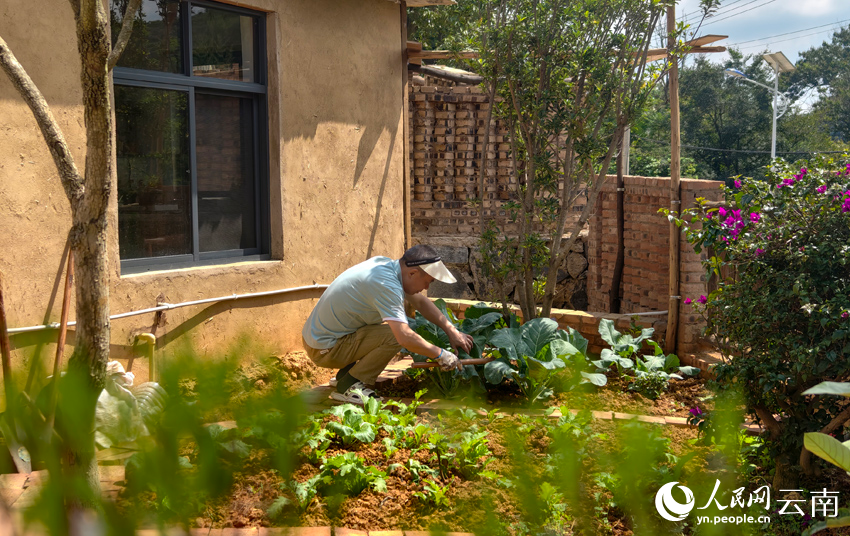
[(781, 251)]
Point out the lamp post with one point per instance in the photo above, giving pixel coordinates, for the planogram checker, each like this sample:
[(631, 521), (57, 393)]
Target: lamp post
[(780, 64)]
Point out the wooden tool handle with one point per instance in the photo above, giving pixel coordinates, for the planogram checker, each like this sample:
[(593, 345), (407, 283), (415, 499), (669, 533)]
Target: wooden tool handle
[(432, 364)]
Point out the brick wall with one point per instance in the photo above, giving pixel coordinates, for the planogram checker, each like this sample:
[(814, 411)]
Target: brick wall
[(447, 127), (447, 133), (644, 285)]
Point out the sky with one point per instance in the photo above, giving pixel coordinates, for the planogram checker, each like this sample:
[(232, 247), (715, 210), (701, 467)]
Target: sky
[(755, 26)]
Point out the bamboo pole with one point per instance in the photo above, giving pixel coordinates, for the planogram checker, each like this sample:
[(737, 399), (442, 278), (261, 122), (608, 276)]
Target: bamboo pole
[(405, 88), (63, 331), (670, 340)]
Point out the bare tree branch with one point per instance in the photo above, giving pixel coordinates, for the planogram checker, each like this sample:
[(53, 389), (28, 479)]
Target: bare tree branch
[(68, 173), (834, 424), (769, 421), (124, 35)]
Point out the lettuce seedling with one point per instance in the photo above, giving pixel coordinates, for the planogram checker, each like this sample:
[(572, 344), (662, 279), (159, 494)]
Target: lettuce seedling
[(352, 426), (623, 346), (471, 451), (432, 493), (347, 475)]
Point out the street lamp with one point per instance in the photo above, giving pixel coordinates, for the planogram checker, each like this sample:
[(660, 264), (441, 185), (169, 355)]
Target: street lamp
[(780, 64)]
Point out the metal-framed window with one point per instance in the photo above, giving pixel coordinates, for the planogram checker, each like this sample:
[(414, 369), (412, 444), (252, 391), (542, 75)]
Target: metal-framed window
[(192, 147)]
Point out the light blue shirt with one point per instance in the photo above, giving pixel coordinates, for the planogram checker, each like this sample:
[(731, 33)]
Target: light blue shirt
[(365, 294)]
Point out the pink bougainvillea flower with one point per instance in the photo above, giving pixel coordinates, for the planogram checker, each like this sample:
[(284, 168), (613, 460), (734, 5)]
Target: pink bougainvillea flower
[(821, 189), (721, 212), (755, 216), (759, 252), (845, 314), (703, 300), (803, 171), (738, 184), (687, 301)]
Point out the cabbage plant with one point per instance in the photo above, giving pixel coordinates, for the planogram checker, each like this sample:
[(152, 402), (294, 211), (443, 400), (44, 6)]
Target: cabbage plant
[(529, 354)]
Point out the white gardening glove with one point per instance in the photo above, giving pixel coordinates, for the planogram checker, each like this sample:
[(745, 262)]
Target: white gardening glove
[(448, 361)]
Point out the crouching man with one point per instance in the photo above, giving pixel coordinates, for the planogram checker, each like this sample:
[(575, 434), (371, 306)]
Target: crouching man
[(360, 323)]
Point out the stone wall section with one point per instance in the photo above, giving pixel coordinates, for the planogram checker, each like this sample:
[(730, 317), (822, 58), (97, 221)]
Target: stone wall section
[(644, 285), (459, 254)]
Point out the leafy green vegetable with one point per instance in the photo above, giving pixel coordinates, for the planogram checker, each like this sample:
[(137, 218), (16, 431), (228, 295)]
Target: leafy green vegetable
[(537, 349), (432, 493)]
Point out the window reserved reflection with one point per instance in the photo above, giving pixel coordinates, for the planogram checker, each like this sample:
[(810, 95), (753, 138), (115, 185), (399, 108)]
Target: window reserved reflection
[(154, 180), (225, 156)]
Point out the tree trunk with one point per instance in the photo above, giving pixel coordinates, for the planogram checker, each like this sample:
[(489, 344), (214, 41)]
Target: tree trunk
[(89, 198), (786, 475), (87, 366)]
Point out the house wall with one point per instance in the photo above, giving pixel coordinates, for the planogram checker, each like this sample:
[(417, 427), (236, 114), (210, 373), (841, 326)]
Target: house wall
[(645, 281), (336, 174)]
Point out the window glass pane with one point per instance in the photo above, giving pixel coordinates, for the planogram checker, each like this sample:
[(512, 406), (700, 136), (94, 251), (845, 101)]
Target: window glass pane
[(154, 180), (225, 160), (222, 44), (155, 43)]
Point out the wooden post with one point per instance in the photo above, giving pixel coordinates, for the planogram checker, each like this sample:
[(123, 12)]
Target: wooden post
[(405, 120), (60, 344), (614, 304), (675, 196)]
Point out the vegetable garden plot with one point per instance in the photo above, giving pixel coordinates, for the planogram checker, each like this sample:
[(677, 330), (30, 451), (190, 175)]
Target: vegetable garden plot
[(530, 362), (384, 467)]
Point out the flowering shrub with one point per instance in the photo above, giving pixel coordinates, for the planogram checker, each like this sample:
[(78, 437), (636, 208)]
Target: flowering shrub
[(782, 314)]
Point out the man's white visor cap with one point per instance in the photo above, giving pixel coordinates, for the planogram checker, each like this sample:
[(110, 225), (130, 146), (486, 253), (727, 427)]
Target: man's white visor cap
[(435, 268)]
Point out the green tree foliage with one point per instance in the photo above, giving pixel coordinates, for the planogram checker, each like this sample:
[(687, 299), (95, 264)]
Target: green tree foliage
[(826, 69), (726, 123), (717, 112), (569, 79), (445, 27), (722, 112)]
